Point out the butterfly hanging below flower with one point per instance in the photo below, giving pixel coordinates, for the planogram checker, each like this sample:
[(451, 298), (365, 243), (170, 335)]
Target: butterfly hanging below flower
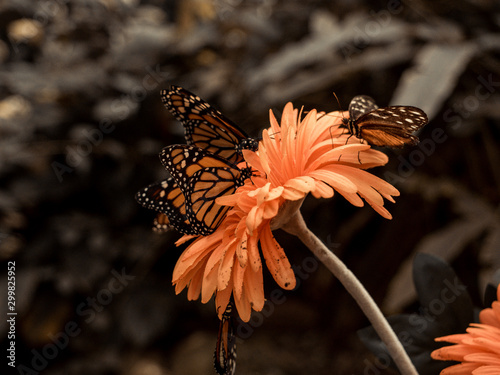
[(386, 127), (205, 126), (225, 349)]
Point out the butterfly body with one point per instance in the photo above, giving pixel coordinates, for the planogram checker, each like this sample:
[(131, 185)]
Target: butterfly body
[(391, 126)]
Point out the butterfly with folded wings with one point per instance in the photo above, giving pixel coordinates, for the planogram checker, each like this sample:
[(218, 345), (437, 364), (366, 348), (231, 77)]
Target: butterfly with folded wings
[(391, 126), (225, 348)]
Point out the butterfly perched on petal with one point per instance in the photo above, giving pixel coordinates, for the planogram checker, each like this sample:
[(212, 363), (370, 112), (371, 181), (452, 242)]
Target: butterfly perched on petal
[(205, 126), (391, 126), (199, 179), (225, 349)]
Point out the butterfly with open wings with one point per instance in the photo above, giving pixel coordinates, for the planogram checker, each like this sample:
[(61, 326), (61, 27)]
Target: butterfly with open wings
[(206, 127), (167, 198), (188, 198)]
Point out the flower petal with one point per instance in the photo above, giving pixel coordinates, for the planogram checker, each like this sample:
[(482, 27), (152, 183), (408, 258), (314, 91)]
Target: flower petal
[(276, 260), (221, 300), (302, 184), (253, 253), (336, 180), (225, 268), (254, 288)]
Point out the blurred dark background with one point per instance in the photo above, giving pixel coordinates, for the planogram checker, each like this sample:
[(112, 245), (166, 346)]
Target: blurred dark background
[(81, 124)]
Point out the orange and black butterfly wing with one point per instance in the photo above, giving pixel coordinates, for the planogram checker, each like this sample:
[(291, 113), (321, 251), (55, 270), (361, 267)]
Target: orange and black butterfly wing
[(388, 136), (225, 349), (183, 161), (168, 199), (202, 178), (391, 126), (204, 187), (161, 223), (205, 126)]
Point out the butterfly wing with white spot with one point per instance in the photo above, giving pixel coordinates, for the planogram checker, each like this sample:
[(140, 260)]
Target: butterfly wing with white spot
[(391, 126), (202, 177), (205, 126), (360, 105), (166, 198)]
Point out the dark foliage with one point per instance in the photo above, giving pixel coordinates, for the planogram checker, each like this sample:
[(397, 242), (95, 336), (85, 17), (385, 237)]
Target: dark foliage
[(81, 126)]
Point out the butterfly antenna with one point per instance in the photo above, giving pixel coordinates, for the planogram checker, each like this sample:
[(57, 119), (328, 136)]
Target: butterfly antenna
[(331, 136), (338, 101), (344, 120), (273, 134)]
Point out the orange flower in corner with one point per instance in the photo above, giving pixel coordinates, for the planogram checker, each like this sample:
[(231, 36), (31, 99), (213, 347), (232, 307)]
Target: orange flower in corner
[(478, 350), (300, 156)]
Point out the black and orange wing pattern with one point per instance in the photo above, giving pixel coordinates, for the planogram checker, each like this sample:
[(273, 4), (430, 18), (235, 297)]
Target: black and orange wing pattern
[(161, 223), (391, 126), (202, 178), (225, 349), (168, 199), (205, 126), (218, 143)]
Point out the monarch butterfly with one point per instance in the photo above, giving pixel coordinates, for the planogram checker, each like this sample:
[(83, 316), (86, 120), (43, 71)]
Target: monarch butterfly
[(167, 198), (200, 178), (225, 349), (205, 126), (386, 127)]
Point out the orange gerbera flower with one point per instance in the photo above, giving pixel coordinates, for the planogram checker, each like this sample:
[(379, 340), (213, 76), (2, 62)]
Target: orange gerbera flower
[(310, 155), (478, 349)]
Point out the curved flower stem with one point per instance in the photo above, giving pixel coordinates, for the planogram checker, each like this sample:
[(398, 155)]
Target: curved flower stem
[(296, 226)]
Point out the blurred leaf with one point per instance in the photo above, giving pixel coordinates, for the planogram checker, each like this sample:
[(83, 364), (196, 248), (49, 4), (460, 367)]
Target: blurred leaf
[(491, 292), (489, 254), (447, 243), (446, 308), (430, 82)]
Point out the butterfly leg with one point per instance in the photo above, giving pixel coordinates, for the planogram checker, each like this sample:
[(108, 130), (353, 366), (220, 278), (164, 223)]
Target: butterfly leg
[(331, 136), (347, 140)]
